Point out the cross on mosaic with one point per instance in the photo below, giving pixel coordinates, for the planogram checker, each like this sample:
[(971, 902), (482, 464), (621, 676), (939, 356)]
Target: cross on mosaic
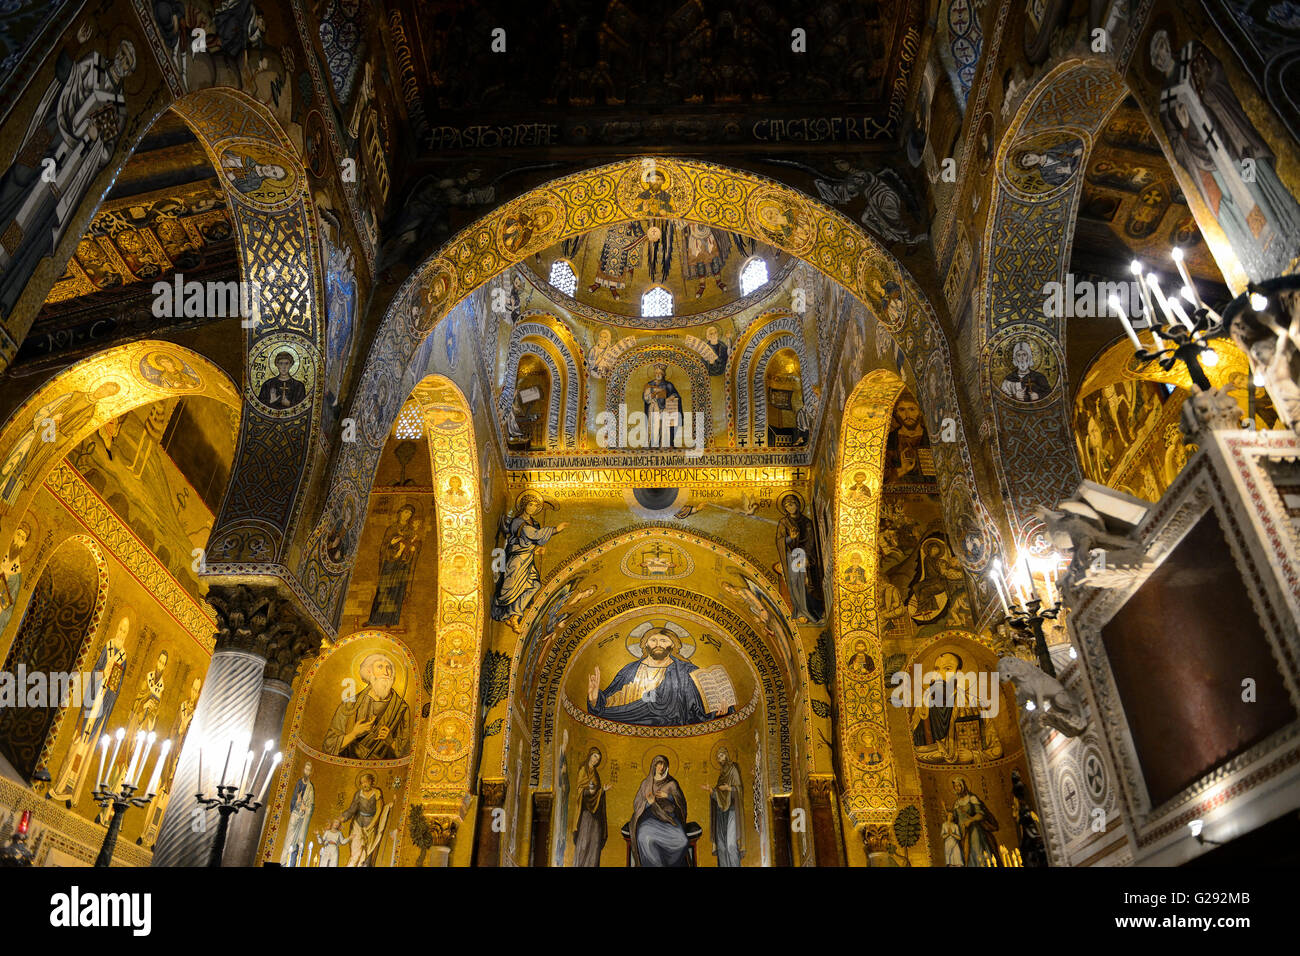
[(708, 435)]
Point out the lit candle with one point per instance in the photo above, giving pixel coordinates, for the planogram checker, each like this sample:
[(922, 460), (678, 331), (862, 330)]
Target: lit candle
[(103, 753), (248, 763), (997, 586), (1147, 309), (135, 756), (266, 784), (144, 758), (226, 766), (1154, 282), (200, 783), (1177, 256), (1182, 313), (1128, 327), (261, 760), (112, 761), (157, 768)]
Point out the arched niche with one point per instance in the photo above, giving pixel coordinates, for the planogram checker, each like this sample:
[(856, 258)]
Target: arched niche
[(543, 347), (755, 349), (961, 725), (61, 617), (692, 749), (604, 645), (674, 571), (359, 710), (532, 421), (783, 401)]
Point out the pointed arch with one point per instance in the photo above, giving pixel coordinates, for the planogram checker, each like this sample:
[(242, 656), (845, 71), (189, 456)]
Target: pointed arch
[(57, 629), (763, 339), (451, 280), (72, 405)]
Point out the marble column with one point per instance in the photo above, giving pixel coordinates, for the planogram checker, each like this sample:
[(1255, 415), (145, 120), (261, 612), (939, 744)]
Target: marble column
[(781, 851), (246, 828), (543, 800), (254, 625), (827, 847), (487, 841)]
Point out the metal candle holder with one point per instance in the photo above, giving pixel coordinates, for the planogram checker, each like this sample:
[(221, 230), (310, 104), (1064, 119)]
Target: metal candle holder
[(1188, 336), (1187, 344), (227, 803), (1027, 620), (121, 799)]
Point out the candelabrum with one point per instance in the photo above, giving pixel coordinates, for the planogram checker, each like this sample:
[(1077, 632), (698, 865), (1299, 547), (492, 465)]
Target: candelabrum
[(1027, 621), (120, 792), (1023, 607), (228, 788), (1178, 336)]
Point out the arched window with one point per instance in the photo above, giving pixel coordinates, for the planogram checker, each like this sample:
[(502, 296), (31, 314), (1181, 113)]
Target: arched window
[(563, 277), (409, 426), (656, 303), (753, 275)]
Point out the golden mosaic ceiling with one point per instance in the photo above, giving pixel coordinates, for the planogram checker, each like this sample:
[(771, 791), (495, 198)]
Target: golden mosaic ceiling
[(166, 214), (614, 266), (1132, 202)]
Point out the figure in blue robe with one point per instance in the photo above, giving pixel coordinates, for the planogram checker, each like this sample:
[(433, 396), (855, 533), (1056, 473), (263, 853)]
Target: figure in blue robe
[(655, 691), (657, 829)]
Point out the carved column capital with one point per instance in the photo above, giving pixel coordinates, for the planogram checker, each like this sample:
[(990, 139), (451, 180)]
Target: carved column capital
[(821, 787), (259, 620), (493, 792), (288, 646), (443, 827)]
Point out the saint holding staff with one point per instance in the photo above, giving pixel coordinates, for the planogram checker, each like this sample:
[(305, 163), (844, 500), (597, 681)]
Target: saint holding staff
[(524, 536)]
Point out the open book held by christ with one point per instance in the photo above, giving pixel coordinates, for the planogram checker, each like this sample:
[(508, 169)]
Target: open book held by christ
[(715, 688)]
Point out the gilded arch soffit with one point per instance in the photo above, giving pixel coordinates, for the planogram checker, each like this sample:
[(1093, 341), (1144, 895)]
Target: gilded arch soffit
[(1026, 245), (867, 764), (449, 427), (75, 403), (278, 239)]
